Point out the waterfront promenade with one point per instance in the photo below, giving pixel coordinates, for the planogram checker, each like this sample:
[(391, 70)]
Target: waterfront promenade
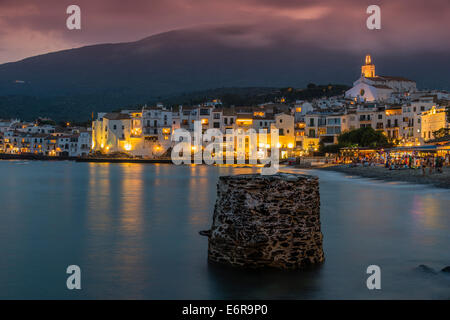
[(441, 180), (38, 157)]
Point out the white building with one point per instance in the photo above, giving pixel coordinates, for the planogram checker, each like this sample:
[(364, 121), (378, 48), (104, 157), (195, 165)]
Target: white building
[(370, 87)]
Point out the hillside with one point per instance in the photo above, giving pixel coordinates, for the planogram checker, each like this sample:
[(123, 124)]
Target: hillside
[(72, 83)]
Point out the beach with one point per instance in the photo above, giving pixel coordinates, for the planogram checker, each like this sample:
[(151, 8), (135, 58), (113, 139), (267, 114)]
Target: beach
[(441, 180)]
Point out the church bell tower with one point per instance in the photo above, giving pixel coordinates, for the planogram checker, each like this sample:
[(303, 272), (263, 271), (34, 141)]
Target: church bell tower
[(368, 70)]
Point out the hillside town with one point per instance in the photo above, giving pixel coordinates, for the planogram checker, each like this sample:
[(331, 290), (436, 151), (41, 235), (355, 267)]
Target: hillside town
[(410, 119)]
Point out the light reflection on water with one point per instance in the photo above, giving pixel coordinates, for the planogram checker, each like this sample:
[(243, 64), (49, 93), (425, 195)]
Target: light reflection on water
[(133, 229)]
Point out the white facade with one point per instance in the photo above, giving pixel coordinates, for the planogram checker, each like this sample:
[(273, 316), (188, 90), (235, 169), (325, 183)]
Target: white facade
[(363, 91), (370, 87)]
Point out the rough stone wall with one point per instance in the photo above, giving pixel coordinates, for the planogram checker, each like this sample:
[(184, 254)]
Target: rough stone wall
[(267, 221)]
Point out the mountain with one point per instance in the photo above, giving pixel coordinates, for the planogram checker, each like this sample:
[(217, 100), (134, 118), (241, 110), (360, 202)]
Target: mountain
[(73, 83)]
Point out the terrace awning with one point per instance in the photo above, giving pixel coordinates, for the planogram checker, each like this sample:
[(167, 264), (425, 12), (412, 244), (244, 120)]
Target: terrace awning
[(444, 147), (418, 148)]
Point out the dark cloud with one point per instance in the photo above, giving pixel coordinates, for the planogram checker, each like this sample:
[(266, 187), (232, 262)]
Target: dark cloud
[(30, 27)]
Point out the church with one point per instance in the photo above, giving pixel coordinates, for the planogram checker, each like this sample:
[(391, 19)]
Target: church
[(370, 87)]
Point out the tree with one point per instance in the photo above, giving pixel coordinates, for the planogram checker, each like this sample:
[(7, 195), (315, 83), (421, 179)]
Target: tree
[(332, 148), (363, 137), (441, 133)]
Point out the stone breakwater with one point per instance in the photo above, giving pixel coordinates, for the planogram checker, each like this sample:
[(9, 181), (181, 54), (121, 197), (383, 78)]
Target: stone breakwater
[(266, 221)]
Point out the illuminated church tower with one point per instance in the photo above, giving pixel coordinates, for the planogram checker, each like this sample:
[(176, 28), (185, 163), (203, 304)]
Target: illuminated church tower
[(368, 70), (370, 87)]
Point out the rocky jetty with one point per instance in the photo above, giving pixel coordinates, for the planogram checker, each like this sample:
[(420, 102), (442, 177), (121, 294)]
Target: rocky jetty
[(266, 221), (425, 269), (446, 269)]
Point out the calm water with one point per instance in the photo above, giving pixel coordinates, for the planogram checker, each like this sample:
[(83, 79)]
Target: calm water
[(133, 230)]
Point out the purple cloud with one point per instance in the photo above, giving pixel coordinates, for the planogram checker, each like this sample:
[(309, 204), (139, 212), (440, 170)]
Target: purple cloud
[(29, 27)]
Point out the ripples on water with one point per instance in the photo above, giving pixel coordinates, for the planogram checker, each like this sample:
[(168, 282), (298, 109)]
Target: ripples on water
[(133, 229)]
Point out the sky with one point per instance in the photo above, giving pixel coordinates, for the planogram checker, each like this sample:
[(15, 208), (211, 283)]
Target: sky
[(31, 27)]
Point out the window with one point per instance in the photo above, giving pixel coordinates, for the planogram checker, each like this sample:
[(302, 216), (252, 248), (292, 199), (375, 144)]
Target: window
[(216, 124), (216, 115), (225, 121), (332, 121), (380, 116)]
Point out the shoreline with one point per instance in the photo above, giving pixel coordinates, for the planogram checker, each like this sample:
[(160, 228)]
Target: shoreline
[(414, 176), (35, 157), (116, 160), (440, 180)]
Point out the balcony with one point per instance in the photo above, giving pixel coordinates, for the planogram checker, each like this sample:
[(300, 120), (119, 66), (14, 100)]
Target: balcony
[(152, 131), (154, 127)]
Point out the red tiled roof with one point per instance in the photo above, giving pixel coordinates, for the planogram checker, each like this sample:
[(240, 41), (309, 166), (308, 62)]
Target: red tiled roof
[(389, 78)]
